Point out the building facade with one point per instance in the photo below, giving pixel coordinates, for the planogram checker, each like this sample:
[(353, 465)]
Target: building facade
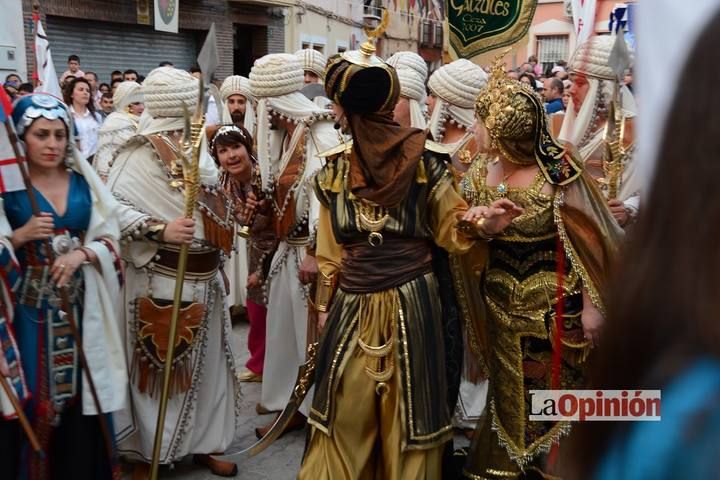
[(110, 35), (551, 36)]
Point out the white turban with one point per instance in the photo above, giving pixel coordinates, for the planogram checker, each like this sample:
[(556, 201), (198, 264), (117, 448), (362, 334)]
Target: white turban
[(236, 85), (276, 74), (313, 61), (239, 85), (166, 91), (125, 94), (412, 72), (592, 58), (276, 81), (456, 86)]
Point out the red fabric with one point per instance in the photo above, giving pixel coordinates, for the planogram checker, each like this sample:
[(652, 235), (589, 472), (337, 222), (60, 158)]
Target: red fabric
[(256, 337), (5, 105)]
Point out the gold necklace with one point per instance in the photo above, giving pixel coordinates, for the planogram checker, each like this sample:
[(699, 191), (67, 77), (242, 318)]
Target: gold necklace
[(372, 218)]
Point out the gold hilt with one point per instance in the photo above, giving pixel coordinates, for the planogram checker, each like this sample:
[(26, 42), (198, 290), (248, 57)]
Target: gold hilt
[(615, 149)]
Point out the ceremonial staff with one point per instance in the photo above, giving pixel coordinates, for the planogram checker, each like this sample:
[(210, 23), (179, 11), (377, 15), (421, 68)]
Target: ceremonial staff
[(66, 313), (193, 132), (614, 137)]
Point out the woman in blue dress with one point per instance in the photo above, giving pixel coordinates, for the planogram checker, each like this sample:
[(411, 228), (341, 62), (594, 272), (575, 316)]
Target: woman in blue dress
[(71, 243)]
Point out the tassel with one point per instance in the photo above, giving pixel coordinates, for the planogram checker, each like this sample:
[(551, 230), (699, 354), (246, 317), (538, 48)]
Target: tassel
[(329, 176), (337, 180), (420, 174), (557, 339)]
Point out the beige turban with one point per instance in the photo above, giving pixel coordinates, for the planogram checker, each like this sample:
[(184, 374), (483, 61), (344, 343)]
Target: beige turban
[(167, 89), (313, 61), (125, 94), (236, 85), (275, 75)]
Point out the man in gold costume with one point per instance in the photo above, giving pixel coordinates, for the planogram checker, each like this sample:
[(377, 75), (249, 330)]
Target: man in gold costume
[(379, 409), (550, 263)]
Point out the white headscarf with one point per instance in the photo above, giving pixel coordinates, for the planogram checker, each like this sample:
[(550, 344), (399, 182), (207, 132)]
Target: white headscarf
[(125, 94)]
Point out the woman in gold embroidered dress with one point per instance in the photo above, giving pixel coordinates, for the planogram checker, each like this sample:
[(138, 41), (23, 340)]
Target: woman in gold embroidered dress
[(549, 263)]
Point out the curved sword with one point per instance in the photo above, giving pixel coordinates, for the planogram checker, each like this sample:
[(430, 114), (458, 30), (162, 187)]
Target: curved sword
[(304, 381)]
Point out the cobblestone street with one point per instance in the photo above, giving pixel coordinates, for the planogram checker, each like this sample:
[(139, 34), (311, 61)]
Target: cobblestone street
[(280, 461)]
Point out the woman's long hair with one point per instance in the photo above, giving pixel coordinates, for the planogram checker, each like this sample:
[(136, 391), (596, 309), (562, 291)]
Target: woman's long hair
[(67, 94), (663, 311)]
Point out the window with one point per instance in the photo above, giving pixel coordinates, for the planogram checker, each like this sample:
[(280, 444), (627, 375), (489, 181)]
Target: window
[(550, 49), (426, 32), (341, 49), (305, 45), (438, 40)]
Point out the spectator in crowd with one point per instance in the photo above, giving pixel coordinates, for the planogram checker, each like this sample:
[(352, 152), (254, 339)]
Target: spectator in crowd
[(526, 68), (528, 78), (115, 84), (13, 77), (628, 80), (11, 89), (73, 70), (166, 63), (95, 94), (87, 120), (130, 75), (513, 73), (536, 67), (106, 105), (25, 89), (140, 79), (554, 90), (566, 93), (195, 71), (116, 75), (104, 88)]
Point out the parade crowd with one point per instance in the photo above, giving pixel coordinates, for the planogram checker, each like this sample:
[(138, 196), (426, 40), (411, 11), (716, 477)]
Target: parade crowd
[(434, 247)]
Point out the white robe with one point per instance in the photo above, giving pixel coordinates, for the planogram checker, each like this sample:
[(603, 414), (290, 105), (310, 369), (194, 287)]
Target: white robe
[(116, 130), (203, 418), (287, 315)]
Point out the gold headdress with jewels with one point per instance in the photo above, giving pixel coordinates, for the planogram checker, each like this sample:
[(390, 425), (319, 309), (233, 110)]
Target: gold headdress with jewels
[(514, 116)]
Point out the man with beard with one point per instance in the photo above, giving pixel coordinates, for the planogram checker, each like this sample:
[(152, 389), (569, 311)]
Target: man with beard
[(238, 103)]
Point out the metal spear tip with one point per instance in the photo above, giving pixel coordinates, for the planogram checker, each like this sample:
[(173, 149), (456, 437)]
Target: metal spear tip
[(200, 108)]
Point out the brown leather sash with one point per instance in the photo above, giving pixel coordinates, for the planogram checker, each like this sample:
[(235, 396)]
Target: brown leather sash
[(367, 269), (284, 194), (198, 263)]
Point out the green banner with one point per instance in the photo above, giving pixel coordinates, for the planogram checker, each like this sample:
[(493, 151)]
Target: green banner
[(478, 26)]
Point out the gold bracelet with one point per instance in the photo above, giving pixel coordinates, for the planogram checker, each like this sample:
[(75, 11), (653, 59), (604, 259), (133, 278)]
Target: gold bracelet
[(325, 290)]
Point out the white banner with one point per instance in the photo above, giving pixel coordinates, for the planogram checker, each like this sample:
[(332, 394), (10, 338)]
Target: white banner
[(166, 15), (583, 12), (47, 77)]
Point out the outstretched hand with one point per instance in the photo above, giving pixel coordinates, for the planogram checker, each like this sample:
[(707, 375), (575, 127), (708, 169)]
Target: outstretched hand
[(496, 217)]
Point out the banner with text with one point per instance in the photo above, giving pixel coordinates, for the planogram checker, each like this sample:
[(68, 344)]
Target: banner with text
[(478, 26)]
